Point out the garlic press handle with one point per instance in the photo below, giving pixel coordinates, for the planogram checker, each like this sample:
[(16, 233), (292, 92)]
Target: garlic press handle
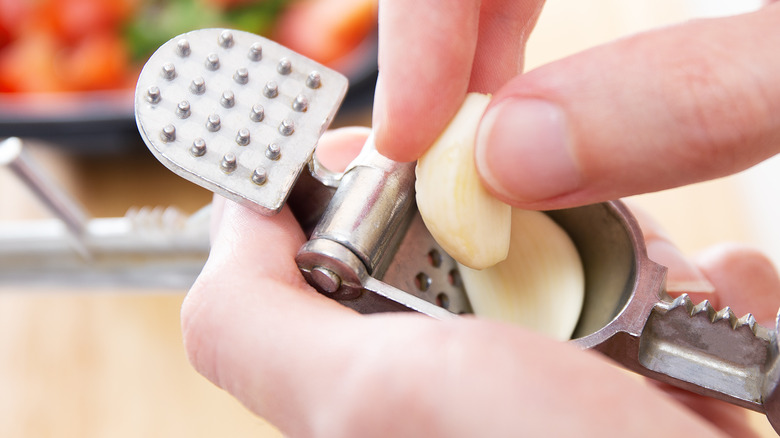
[(693, 347), (629, 317), (713, 353)]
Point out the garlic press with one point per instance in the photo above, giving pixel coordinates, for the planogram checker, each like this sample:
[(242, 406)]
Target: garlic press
[(241, 115)]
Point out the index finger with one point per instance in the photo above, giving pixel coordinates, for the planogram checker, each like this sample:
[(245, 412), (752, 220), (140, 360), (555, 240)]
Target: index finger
[(653, 111), (431, 52), (426, 49)]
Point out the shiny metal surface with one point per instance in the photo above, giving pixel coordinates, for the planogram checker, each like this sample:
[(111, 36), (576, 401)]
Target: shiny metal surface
[(251, 83), (629, 317), (368, 251), (65, 208), (369, 212), (148, 247)]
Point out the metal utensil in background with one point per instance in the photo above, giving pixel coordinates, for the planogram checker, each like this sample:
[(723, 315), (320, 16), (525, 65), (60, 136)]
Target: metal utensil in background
[(148, 247)]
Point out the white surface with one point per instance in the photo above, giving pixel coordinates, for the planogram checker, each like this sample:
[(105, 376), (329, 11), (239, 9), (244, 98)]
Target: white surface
[(719, 8)]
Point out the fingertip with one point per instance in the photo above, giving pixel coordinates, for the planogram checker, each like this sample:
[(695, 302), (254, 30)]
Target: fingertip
[(401, 133), (683, 276), (394, 147), (745, 280), (425, 60), (399, 149), (338, 147)]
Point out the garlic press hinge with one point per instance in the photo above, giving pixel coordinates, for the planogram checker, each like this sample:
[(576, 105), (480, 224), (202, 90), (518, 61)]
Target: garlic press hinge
[(371, 231)]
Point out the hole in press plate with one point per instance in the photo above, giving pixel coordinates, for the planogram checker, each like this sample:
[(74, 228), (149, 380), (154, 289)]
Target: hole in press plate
[(453, 278), (434, 258), (422, 281), (443, 300)]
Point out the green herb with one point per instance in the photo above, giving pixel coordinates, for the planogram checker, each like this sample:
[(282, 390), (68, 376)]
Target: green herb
[(160, 20)]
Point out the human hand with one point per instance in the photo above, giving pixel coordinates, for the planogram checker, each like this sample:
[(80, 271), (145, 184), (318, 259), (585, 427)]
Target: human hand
[(648, 112), (314, 368), (431, 53)]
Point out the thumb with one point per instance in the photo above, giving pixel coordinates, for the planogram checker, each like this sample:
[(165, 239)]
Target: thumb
[(650, 112)]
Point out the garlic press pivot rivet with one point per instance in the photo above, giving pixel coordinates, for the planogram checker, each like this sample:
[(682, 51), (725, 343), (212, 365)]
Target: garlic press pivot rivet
[(259, 176), (271, 90), (183, 109), (153, 94), (273, 151), (198, 148), (183, 48), (213, 123), (242, 138), (255, 52), (228, 163), (257, 113), (287, 127), (314, 80), (328, 281), (168, 70), (241, 76), (198, 85), (168, 133), (226, 39), (212, 61), (301, 103), (228, 99), (284, 67)]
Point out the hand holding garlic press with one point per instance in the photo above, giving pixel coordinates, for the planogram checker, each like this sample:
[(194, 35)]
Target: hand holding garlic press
[(313, 367), (329, 280)]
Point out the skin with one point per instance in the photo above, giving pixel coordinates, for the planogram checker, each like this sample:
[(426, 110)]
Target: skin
[(703, 95), (254, 327), (313, 368)]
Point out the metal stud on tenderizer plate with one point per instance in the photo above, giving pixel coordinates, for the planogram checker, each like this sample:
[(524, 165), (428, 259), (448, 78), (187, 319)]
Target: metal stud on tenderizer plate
[(235, 113)]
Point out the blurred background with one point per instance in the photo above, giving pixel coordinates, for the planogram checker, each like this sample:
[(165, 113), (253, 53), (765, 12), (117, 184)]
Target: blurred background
[(81, 359)]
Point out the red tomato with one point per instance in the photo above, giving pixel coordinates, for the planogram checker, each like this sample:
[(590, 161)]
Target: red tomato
[(98, 62), (326, 30), (14, 14), (28, 64), (73, 20)]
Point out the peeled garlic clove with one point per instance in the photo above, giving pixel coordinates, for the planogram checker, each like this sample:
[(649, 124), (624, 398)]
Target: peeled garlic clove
[(470, 224), (540, 285), (517, 266)]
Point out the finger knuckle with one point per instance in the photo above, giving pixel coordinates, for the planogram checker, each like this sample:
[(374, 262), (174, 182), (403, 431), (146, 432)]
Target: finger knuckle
[(194, 325)]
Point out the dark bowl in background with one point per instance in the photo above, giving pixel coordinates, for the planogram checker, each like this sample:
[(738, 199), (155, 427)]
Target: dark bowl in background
[(99, 122)]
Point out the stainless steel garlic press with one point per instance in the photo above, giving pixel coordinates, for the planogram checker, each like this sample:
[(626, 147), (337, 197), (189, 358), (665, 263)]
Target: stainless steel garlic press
[(240, 115)]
